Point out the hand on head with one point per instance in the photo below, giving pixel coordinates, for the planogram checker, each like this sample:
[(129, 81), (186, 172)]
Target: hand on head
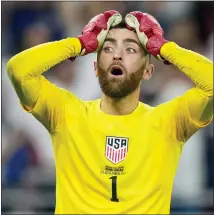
[(148, 30), (94, 33)]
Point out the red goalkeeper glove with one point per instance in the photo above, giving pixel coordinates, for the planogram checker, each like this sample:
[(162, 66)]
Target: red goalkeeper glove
[(94, 33), (148, 31)]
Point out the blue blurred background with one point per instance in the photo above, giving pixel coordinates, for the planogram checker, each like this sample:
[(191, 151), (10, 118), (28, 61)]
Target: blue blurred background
[(28, 168)]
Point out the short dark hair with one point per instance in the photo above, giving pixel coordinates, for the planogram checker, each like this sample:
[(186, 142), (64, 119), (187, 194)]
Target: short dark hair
[(120, 25)]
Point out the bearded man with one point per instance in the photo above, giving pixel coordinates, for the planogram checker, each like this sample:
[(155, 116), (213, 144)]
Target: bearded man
[(115, 155)]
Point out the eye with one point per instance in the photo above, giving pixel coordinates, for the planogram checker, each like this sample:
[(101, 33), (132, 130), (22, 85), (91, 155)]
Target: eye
[(108, 49), (131, 50)]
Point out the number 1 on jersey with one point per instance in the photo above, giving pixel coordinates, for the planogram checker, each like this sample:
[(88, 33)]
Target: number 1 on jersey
[(114, 189)]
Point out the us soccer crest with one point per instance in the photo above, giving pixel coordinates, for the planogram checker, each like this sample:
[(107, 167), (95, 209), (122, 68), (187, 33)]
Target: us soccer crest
[(116, 148)]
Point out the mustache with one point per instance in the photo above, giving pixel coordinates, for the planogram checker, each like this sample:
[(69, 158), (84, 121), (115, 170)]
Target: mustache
[(117, 64)]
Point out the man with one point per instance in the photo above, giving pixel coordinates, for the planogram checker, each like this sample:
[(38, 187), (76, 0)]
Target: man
[(115, 154)]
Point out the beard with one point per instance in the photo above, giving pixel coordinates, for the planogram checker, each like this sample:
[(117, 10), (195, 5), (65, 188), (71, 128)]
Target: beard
[(119, 87)]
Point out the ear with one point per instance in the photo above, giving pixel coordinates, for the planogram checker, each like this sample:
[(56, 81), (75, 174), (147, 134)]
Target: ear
[(148, 72), (95, 68)]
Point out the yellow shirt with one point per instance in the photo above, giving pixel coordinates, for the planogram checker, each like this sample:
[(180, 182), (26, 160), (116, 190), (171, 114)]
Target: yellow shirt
[(108, 164), (140, 150)]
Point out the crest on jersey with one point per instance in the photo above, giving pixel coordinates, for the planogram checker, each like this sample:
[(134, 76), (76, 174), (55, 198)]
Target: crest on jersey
[(116, 148)]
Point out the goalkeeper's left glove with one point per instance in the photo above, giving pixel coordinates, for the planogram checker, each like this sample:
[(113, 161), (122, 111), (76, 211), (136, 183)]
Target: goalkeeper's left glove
[(148, 31)]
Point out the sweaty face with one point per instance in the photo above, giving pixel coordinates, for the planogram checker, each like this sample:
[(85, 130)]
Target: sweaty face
[(121, 63)]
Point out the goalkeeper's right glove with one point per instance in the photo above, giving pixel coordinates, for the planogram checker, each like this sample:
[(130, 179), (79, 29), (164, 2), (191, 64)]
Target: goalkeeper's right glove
[(94, 33)]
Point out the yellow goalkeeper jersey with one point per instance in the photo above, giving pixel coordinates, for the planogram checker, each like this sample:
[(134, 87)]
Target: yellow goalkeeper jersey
[(113, 164), (107, 164)]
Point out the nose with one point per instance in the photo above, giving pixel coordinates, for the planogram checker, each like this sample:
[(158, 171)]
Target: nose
[(117, 56)]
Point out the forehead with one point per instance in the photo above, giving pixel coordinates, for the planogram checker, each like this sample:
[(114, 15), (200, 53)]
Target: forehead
[(122, 33)]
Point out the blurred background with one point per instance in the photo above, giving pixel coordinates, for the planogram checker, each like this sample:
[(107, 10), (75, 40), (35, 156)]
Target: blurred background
[(28, 168)]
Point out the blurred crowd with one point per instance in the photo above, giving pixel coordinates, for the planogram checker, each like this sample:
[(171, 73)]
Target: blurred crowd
[(28, 171)]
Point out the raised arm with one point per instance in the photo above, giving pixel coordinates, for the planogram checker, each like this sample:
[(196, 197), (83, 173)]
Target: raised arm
[(37, 95), (200, 71), (186, 114), (25, 69)]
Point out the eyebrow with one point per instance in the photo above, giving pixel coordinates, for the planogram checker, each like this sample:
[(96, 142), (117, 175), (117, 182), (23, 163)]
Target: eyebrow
[(110, 39), (127, 40)]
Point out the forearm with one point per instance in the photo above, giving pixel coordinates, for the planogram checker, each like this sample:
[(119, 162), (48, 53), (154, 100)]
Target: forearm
[(25, 68), (200, 70), (195, 66), (34, 61)]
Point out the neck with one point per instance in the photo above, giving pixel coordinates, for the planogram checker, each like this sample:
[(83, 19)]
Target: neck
[(120, 106)]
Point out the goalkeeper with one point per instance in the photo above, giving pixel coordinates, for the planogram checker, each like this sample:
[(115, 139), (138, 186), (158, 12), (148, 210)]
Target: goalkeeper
[(115, 155)]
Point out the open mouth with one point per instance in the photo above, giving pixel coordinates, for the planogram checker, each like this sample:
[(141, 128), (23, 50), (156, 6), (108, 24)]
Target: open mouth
[(117, 71)]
